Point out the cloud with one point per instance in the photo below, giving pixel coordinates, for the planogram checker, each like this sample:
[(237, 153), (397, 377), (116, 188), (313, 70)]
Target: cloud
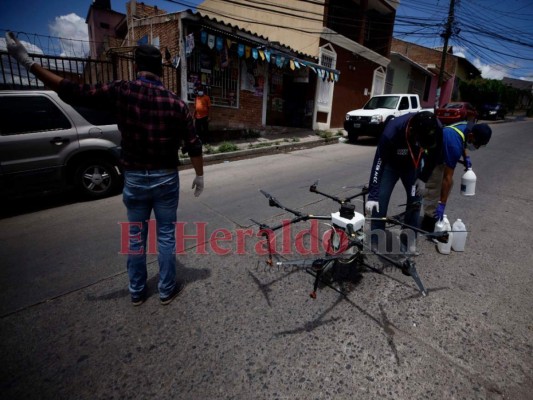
[(73, 32), (32, 49), (488, 71)]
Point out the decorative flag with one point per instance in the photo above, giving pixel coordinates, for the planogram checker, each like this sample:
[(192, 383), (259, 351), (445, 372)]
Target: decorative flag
[(313, 69), (248, 51), (240, 50), (279, 61), (189, 44), (262, 55), (211, 41), (292, 64), (220, 43), (296, 64), (203, 37), (254, 54), (267, 55), (228, 43)]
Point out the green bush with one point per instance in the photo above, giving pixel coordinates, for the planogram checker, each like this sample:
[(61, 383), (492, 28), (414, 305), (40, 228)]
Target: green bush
[(226, 147)]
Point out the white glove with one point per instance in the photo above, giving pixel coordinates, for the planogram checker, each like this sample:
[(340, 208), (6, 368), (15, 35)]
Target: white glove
[(370, 205), (198, 185), (420, 187), (18, 51)]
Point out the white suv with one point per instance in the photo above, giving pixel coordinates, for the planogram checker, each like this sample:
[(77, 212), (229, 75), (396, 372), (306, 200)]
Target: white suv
[(47, 145)]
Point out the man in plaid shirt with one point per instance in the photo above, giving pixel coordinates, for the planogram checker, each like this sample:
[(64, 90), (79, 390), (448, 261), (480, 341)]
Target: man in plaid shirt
[(154, 124)]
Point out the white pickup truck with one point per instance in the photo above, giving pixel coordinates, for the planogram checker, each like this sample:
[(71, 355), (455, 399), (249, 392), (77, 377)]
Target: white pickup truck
[(371, 119)]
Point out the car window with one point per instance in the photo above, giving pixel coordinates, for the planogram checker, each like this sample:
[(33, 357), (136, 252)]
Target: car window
[(96, 117), (24, 114), (452, 105), (404, 103), (414, 102), (382, 102)]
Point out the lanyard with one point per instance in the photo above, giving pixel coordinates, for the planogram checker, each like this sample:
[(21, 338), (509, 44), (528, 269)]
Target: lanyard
[(420, 152)]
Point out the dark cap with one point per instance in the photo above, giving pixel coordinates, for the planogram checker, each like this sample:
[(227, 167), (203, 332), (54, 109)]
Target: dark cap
[(482, 134), (148, 58), (425, 129)]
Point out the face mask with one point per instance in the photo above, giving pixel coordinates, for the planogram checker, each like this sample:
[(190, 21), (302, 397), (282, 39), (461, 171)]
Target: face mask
[(471, 147), (200, 93)]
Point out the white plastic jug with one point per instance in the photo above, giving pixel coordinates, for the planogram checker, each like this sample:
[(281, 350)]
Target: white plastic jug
[(468, 183), (459, 235), (444, 225)]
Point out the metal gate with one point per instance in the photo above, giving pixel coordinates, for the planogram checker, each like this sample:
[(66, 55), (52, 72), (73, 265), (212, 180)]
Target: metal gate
[(80, 70)]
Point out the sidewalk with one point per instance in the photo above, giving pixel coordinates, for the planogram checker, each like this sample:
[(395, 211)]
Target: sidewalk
[(272, 140), (268, 141)]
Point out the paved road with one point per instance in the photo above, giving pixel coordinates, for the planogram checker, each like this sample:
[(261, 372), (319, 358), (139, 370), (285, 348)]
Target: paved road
[(241, 330)]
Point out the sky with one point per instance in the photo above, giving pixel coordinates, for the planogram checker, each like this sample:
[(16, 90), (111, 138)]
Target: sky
[(494, 35)]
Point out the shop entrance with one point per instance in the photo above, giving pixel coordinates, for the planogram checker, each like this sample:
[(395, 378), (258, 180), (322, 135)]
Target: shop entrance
[(289, 103)]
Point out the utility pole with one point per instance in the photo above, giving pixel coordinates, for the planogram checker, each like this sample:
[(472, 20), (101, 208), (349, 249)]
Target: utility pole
[(446, 35)]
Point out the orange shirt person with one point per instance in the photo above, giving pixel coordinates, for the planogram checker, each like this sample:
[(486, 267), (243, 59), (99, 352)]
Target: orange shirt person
[(202, 106)]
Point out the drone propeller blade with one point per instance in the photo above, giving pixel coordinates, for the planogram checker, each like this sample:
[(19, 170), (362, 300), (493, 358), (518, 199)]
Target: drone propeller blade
[(272, 201)]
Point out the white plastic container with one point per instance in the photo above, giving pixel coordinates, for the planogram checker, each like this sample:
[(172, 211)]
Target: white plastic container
[(444, 225), (459, 235), (468, 183)]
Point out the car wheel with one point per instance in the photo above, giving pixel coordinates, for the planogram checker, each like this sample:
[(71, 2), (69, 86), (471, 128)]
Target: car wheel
[(96, 179)]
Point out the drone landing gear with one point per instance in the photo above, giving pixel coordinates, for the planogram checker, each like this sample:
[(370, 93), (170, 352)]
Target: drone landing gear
[(322, 270)]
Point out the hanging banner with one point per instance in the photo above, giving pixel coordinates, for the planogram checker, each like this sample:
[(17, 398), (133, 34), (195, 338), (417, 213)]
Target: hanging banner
[(220, 43), (248, 51), (240, 50), (211, 41), (203, 37), (267, 55), (189, 44), (262, 55), (254, 54)]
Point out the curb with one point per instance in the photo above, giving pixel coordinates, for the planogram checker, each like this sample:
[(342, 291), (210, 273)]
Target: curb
[(262, 151)]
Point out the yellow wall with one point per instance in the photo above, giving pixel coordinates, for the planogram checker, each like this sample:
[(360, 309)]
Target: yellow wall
[(295, 24)]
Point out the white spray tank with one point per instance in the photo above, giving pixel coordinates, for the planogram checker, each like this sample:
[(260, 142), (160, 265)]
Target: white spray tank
[(444, 225), (459, 235), (468, 183)]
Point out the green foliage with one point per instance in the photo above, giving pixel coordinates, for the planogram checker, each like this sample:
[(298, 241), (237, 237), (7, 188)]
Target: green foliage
[(208, 149), (482, 91), (324, 134), (226, 147)]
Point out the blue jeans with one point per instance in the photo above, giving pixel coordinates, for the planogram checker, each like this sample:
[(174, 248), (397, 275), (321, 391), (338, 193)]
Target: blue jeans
[(389, 178), (144, 191)]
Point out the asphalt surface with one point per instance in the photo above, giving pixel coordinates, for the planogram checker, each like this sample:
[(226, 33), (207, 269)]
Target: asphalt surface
[(243, 330)]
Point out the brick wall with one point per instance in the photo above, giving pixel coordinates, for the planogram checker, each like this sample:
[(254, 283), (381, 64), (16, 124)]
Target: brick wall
[(423, 55), (248, 115)]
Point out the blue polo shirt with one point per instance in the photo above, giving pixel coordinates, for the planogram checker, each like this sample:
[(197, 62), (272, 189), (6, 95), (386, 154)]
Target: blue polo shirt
[(453, 144)]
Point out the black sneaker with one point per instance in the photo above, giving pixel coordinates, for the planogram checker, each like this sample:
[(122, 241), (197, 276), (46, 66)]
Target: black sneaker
[(168, 299), (138, 299)]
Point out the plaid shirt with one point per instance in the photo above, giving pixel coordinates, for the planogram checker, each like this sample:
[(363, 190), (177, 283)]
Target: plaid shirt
[(153, 121)]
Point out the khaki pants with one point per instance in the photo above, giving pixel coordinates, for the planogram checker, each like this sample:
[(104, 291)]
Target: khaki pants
[(433, 189)]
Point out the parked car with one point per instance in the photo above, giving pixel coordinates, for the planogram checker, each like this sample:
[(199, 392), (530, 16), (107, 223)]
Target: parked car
[(377, 112), (47, 145), (493, 111), (455, 112)]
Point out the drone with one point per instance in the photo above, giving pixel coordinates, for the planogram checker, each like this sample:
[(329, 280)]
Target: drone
[(346, 244)]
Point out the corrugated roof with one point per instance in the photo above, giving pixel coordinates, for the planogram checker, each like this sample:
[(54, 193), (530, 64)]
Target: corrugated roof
[(263, 39)]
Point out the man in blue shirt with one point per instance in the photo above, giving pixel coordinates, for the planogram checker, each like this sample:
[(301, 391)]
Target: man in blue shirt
[(439, 168), (398, 157)]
